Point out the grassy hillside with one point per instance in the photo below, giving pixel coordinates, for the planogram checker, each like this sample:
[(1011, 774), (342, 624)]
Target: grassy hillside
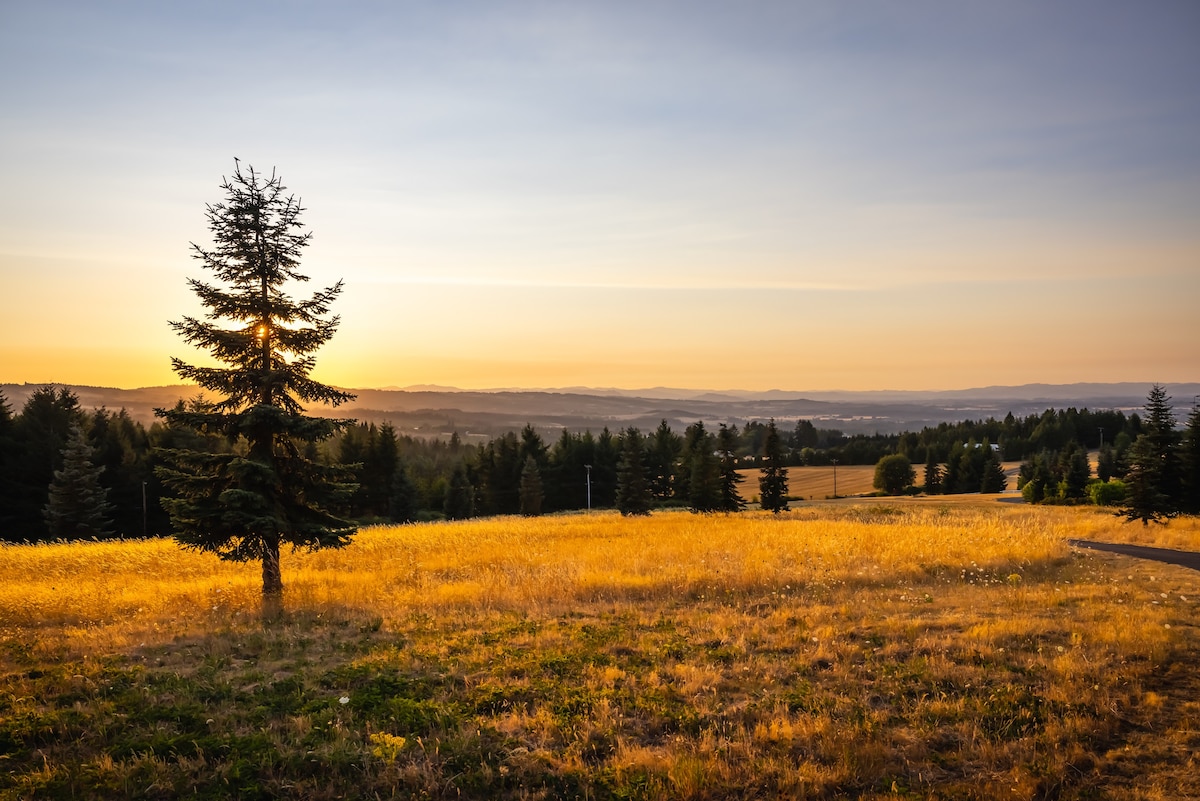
[(887, 650)]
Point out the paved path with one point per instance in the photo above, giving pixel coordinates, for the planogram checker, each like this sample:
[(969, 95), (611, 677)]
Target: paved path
[(1172, 557)]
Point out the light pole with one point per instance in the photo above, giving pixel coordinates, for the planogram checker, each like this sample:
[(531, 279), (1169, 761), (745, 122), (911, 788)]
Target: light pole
[(835, 478), (589, 486)]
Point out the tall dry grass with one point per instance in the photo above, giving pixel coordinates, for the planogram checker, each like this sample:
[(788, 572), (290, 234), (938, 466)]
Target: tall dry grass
[(937, 649), (115, 593), (112, 595)]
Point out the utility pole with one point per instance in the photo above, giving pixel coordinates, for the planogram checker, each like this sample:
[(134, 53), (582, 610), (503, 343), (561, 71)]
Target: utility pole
[(835, 478), (589, 486), (143, 510)]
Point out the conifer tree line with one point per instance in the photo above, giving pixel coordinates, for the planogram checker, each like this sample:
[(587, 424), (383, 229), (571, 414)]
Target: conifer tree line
[(404, 478), (1161, 469), (66, 472), (1150, 469)]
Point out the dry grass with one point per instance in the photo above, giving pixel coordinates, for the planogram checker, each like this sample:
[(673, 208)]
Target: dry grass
[(816, 483), (914, 648)]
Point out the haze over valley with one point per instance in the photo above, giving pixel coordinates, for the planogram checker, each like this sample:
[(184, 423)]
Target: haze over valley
[(481, 414)]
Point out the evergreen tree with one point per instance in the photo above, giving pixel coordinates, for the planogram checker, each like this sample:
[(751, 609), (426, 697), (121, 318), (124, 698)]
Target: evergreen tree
[(953, 468), (1075, 471), (1163, 439), (633, 490), (1144, 499), (731, 499), (604, 469), (700, 471), (704, 483), (773, 481), (243, 506), (531, 488), (378, 469), (1121, 447), (460, 495), (500, 465), (78, 505), (566, 481), (402, 506), (40, 438), (121, 447), (695, 441), (665, 447), (1036, 479), (1189, 463), (933, 474), (970, 467), (532, 446), (805, 435), (8, 467), (1152, 480), (992, 478)]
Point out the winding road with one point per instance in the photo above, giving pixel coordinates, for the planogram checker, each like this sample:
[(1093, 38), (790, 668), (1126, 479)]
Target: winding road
[(1189, 559)]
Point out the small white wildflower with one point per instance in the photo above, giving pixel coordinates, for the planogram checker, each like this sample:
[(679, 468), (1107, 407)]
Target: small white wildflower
[(1167, 625), (344, 700)]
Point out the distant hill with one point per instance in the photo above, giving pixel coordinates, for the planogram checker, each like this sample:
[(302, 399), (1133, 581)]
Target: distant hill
[(429, 411)]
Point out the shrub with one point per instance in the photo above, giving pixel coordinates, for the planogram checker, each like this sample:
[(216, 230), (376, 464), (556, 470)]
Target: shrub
[(1107, 493)]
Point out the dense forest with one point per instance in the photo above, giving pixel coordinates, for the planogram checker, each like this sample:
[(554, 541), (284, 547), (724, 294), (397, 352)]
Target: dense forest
[(54, 453)]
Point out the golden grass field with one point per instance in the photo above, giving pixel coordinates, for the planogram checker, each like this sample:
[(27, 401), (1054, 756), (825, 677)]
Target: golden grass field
[(816, 483), (872, 650)]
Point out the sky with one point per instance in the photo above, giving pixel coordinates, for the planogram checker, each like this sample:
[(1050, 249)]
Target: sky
[(751, 195)]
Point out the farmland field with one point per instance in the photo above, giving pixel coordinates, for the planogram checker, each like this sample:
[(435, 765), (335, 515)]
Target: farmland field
[(877, 650), (816, 483)]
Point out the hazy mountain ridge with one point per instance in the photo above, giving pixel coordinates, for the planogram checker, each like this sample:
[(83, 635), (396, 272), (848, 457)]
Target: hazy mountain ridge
[(487, 412), (1124, 392)]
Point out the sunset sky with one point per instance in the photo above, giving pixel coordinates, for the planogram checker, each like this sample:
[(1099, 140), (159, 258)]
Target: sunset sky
[(752, 195)]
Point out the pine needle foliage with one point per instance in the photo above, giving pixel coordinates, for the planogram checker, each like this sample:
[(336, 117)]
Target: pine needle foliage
[(243, 505), (633, 488), (731, 498), (1152, 482), (773, 478), (78, 506)]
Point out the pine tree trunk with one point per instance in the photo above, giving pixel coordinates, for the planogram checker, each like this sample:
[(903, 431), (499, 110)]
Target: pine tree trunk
[(272, 578), (272, 601)]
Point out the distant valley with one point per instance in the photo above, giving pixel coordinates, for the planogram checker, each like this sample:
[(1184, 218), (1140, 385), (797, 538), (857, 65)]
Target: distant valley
[(480, 414)]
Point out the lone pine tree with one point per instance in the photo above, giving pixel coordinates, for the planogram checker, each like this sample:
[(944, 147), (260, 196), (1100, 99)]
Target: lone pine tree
[(243, 505)]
